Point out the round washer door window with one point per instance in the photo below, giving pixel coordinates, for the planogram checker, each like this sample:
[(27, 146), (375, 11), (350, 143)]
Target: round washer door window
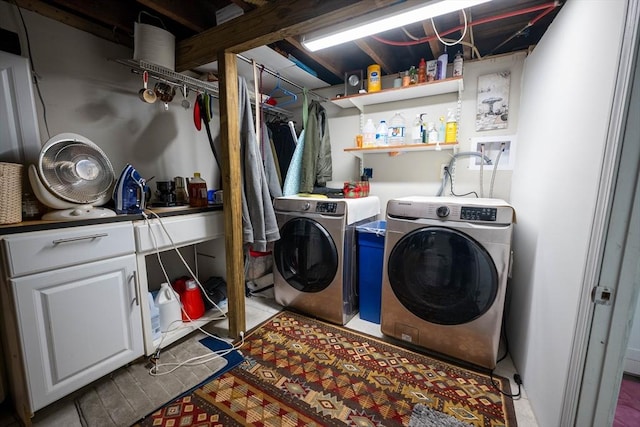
[(442, 275), (306, 255)]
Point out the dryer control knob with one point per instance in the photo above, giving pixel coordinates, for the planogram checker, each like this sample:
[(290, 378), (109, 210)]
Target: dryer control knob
[(306, 206), (442, 211)]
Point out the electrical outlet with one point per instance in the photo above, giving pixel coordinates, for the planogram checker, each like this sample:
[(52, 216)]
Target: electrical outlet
[(442, 169)]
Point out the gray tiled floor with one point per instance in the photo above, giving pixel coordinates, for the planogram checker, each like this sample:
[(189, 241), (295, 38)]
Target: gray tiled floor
[(130, 393)]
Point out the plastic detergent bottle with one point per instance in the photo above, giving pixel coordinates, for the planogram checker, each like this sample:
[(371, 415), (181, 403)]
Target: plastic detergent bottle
[(155, 317), (197, 191), (441, 72), (168, 303), (397, 130), (369, 134), (382, 133), (451, 129), (441, 129), (192, 301), (416, 130), (457, 65)]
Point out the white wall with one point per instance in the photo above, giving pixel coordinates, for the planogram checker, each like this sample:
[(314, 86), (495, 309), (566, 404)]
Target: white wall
[(86, 93), (566, 102), (418, 173)]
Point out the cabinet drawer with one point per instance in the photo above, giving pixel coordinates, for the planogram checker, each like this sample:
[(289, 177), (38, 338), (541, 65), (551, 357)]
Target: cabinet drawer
[(45, 250), (181, 230)]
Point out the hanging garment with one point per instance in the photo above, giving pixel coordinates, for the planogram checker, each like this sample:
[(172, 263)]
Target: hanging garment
[(292, 181), (316, 158), (285, 145), (258, 217), (270, 170)]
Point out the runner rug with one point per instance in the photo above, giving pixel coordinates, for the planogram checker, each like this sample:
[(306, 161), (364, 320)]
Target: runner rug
[(300, 371)]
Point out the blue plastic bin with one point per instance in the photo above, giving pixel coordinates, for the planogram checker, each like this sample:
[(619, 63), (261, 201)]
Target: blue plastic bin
[(370, 259)]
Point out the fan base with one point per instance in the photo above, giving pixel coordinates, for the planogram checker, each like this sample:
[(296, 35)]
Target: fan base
[(81, 212)]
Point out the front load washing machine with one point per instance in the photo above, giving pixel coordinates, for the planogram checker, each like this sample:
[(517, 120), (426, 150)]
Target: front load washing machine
[(315, 258), (445, 273)]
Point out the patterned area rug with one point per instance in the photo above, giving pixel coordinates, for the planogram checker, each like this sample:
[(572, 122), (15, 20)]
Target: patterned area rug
[(304, 372)]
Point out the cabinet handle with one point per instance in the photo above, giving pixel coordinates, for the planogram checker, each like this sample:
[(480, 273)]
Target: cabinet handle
[(136, 289), (76, 239)]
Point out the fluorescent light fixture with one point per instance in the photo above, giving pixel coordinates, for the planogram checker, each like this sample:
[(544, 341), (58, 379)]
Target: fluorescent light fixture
[(382, 20)]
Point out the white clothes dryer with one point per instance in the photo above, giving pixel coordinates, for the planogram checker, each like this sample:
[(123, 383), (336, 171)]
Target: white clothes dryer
[(315, 268), (445, 273)]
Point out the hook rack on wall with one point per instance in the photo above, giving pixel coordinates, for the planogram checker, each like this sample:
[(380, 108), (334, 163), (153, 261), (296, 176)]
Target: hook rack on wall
[(179, 80), (166, 75)]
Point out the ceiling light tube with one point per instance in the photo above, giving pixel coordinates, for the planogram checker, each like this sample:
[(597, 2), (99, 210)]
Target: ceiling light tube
[(382, 20)]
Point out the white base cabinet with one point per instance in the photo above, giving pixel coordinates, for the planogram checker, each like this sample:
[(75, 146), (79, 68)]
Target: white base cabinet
[(75, 300), (71, 310), (77, 324)]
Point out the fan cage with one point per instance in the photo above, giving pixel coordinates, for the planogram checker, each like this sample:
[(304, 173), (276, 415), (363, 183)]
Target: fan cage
[(76, 171)]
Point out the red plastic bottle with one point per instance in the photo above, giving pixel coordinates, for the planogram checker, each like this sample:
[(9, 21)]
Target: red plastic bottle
[(422, 71), (192, 301)]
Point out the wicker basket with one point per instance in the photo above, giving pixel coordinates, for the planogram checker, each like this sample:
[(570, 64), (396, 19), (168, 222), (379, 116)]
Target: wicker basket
[(10, 193)]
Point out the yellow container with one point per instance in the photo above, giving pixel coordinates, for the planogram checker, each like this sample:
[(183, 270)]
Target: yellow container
[(374, 78), (451, 132)]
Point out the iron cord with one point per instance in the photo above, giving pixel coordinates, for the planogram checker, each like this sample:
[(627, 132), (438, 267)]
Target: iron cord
[(170, 367)]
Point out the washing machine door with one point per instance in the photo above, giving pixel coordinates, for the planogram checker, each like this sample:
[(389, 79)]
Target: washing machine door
[(442, 275), (306, 256)]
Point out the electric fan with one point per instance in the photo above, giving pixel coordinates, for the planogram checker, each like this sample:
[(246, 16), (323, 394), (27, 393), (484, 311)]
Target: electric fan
[(74, 176)]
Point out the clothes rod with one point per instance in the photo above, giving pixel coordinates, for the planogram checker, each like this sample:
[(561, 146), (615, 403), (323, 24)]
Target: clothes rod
[(273, 73)]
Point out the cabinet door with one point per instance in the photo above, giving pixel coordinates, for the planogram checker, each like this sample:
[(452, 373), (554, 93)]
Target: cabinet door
[(77, 324)]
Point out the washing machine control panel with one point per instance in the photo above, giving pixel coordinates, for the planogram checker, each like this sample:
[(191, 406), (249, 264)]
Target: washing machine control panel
[(478, 213), (326, 207)]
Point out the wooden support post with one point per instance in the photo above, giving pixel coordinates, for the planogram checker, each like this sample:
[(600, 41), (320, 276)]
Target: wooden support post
[(232, 186)]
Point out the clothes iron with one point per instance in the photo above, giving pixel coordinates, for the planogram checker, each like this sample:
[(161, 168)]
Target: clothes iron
[(129, 193)]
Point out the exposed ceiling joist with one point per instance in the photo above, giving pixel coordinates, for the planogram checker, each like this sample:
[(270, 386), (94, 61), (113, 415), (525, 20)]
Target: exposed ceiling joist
[(188, 13), (266, 25), (434, 44), (75, 21), (375, 54), (337, 66), (466, 47)]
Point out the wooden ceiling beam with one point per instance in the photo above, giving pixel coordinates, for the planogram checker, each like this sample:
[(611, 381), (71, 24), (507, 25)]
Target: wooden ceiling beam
[(377, 54), (106, 11), (195, 15), (268, 24), (338, 69), (434, 44), (249, 5), (466, 49), (75, 21)]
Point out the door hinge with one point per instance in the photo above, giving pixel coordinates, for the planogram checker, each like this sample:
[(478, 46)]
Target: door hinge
[(602, 295)]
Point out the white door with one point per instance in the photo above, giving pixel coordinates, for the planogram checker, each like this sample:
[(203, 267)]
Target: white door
[(599, 352), (77, 324), (19, 134)]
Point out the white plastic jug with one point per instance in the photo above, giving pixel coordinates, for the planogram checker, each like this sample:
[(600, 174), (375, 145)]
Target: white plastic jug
[(168, 302), (155, 318)]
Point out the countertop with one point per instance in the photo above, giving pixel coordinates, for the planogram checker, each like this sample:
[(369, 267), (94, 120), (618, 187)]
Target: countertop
[(39, 225)]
